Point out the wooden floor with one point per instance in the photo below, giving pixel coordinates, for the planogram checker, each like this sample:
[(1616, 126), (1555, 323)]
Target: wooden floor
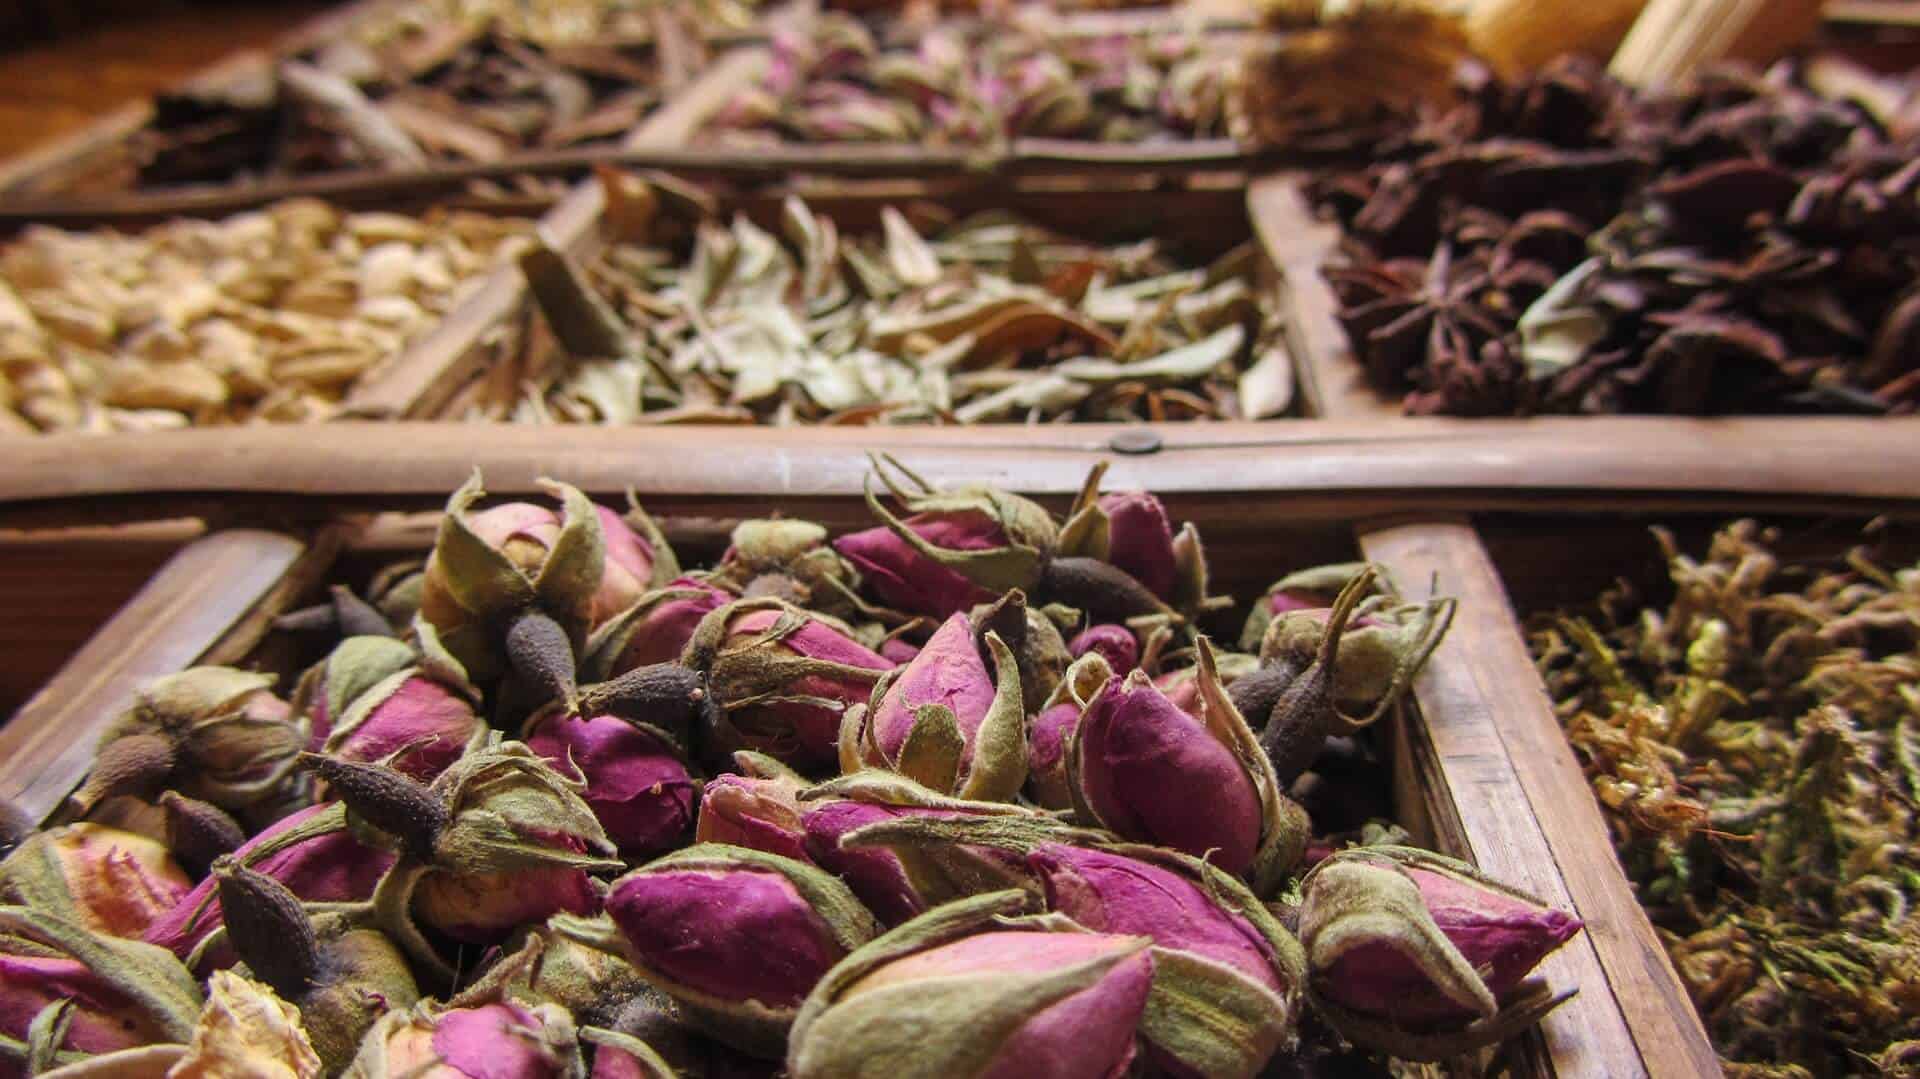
[(123, 51)]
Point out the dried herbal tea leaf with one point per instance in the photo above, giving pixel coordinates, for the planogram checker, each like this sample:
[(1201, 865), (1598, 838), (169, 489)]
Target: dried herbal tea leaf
[(992, 319)]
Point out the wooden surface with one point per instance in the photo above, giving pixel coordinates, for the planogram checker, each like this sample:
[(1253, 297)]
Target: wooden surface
[(199, 607), (1526, 810), (1298, 245)]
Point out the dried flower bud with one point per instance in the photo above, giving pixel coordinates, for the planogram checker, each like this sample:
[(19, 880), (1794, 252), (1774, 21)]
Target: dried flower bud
[(654, 630), (1422, 956), (123, 993), (736, 936), (633, 777), (761, 812), (213, 733), (1048, 783), (197, 832), (954, 550), (1152, 773), (1140, 539), (309, 852), (1302, 590), (99, 878), (502, 1038), (1115, 644), (372, 698), (947, 723), (549, 967), (1160, 573), (788, 559), (783, 677), (247, 1031), (974, 992)]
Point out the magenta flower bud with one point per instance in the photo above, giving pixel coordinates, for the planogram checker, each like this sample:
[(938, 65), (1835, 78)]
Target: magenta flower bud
[(738, 937), (1141, 541), (1047, 740), (1116, 644), (899, 650), (946, 720), (761, 814), (635, 780), (950, 978), (1111, 893), (525, 533), (784, 677), (1152, 773), (489, 1041), (438, 722), (903, 577), (103, 1017), (874, 873), (1424, 956), (630, 568), (316, 860), (656, 629), (123, 993)]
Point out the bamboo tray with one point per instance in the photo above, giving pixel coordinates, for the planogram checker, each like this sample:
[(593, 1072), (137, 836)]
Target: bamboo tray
[(1476, 774)]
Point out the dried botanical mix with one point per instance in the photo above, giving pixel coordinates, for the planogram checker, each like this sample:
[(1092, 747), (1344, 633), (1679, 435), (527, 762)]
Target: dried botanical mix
[(554, 801), (989, 319), (1755, 745), (263, 316), (955, 84), (1559, 243)]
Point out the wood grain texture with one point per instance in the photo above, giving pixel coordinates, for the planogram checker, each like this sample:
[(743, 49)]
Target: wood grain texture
[(1526, 813), (201, 605), (1298, 244)]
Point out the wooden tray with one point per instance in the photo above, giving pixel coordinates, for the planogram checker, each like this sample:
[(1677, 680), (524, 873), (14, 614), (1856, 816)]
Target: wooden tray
[(1467, 777)]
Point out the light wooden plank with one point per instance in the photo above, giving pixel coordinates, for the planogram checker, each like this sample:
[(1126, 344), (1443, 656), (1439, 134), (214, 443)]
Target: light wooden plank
[(1526, 813)]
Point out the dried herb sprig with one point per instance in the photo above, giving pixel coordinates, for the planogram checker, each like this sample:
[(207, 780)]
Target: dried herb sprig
[(1756, 747)]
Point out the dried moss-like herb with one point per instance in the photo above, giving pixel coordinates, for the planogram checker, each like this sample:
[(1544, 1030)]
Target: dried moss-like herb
[(992, 319), (1756, 747)]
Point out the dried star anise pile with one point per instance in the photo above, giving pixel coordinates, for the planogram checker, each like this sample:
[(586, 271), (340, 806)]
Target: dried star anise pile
[(1563, 245), (1755, 744), (553, 803)]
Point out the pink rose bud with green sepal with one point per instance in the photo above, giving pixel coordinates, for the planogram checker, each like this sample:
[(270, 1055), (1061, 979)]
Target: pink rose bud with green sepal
[(749, 811), (736, 937), (374, 697), (484, 1041), (896, 571), (484, 908), (656, 629), (874, 873), (946, 719), (1050, 734), (634, 778), (102, 879), (1053, 1001), (1141, 540), (1116, 644), (1423, 956), (309, 852)]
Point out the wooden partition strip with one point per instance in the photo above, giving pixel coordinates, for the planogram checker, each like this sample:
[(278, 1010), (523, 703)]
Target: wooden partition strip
[(1528, 814), (200, 607)]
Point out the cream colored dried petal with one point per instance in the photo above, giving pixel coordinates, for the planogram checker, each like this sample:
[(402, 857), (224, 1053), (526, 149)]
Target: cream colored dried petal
[(247, 1032), (143, 420), (71, 321), (375, 228), (183, 386), (386, 270)]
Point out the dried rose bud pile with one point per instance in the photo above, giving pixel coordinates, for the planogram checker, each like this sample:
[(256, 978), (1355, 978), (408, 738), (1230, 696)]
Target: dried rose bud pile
[(992, 319), (268, 315), (831, 81), (1739, 244), (1755, 744), (968, 787)]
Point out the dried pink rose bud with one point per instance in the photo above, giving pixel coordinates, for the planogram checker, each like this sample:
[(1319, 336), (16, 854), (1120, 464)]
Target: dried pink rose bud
[(483, 908), (874, 873), (1050, 734), (374, 697), (1423, 956), (784, 677), (760, 812), (1141, 540), (737, 937), (1116, 644), (101, 879), (634, 778), (1155, 774), (484, 1041), (788, 559), (946, 721), (1052, 1001), (123, 993), (308, 852), (213, 733), (654, 630)]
